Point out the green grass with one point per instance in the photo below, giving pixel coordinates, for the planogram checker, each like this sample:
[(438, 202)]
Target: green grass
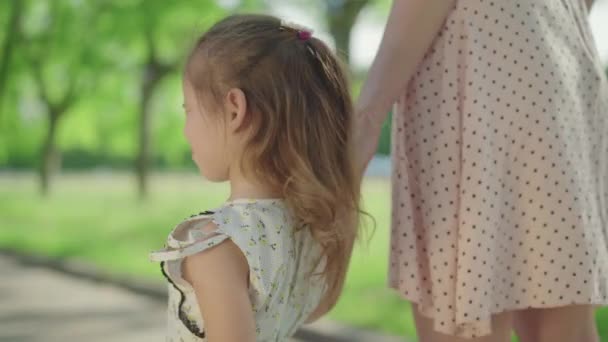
[(96, 217)]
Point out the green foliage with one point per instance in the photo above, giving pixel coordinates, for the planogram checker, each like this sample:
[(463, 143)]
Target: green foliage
[(384, 145), (99, 48)]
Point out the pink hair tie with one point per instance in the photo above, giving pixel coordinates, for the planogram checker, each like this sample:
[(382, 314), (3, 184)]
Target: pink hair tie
[(303, 33)]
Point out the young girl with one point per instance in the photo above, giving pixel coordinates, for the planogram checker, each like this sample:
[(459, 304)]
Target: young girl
[(268, 110)]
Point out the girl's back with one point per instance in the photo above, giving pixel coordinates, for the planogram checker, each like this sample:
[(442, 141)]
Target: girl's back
[(280, 256)]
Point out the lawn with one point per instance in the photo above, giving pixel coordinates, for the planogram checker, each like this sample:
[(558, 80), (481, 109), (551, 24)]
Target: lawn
[(96, 217)]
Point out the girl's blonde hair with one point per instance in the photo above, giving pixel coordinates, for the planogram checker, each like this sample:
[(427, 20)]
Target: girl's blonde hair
[(301, 113)]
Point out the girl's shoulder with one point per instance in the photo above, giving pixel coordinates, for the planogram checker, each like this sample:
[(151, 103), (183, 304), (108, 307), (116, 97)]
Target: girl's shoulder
[(246, 214), (236, 219), (261, 229)]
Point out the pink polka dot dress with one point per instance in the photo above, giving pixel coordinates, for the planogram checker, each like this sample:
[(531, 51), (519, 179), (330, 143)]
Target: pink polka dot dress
[(500, 166)]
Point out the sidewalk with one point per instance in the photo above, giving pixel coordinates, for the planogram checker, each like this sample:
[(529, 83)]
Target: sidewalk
[(40, 304), (46, 300)]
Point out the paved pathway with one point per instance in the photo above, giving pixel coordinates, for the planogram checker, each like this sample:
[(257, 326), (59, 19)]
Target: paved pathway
[(39, 304)]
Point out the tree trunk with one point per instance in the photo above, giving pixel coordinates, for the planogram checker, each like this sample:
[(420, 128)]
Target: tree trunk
[(153, 74), (341, 34), (12, 33), (50, 161), (341, 17)]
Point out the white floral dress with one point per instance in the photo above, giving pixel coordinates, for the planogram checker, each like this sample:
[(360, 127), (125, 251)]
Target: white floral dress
[(280, 258)]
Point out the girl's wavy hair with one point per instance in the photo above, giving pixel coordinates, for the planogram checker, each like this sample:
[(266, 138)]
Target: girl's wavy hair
[(301, 115)]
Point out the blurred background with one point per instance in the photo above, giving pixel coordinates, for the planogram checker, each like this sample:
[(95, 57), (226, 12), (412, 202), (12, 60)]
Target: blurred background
[(93, 164)]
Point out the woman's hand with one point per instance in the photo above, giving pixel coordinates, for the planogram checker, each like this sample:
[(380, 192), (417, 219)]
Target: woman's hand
[(411, 27)]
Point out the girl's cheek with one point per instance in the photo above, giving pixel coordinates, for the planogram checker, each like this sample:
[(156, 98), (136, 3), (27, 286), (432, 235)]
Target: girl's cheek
[(187, 133), (189, 128)]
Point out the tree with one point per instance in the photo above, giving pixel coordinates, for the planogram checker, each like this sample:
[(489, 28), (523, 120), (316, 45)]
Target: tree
[(57, 47), (341, 16), (163, 32), (154, 71), (12, 30)]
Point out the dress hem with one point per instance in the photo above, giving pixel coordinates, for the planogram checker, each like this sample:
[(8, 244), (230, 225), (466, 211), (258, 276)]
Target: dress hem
[(456, 332)]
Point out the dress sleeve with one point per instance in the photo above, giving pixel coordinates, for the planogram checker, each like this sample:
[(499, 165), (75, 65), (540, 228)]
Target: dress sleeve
[(244, 228), (186, 239)]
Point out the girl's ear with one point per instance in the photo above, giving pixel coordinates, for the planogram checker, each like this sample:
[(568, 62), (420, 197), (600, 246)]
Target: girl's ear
[(236, 109)]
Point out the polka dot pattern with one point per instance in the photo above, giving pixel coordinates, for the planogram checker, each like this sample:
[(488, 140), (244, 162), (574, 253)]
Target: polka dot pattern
[(500, 166)]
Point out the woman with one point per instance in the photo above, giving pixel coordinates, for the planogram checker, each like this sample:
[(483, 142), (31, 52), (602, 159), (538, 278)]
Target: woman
[(500, 166)]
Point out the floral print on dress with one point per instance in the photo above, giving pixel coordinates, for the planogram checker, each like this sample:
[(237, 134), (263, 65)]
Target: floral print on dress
[(280, 258)]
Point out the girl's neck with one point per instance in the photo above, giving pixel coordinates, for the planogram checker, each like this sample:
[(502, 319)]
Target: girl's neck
[(242, 187)]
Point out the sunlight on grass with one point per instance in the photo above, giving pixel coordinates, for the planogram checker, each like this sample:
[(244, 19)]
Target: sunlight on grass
[(96, 217)]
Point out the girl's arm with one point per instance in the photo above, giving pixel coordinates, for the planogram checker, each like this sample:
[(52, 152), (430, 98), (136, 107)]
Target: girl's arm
[(219, 277), (411, 27)]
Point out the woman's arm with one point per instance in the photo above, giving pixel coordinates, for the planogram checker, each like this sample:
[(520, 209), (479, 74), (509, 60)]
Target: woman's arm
[(411, 27), (219, 277)]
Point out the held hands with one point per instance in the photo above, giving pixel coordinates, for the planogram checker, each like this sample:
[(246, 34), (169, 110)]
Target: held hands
[(365, 139)]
